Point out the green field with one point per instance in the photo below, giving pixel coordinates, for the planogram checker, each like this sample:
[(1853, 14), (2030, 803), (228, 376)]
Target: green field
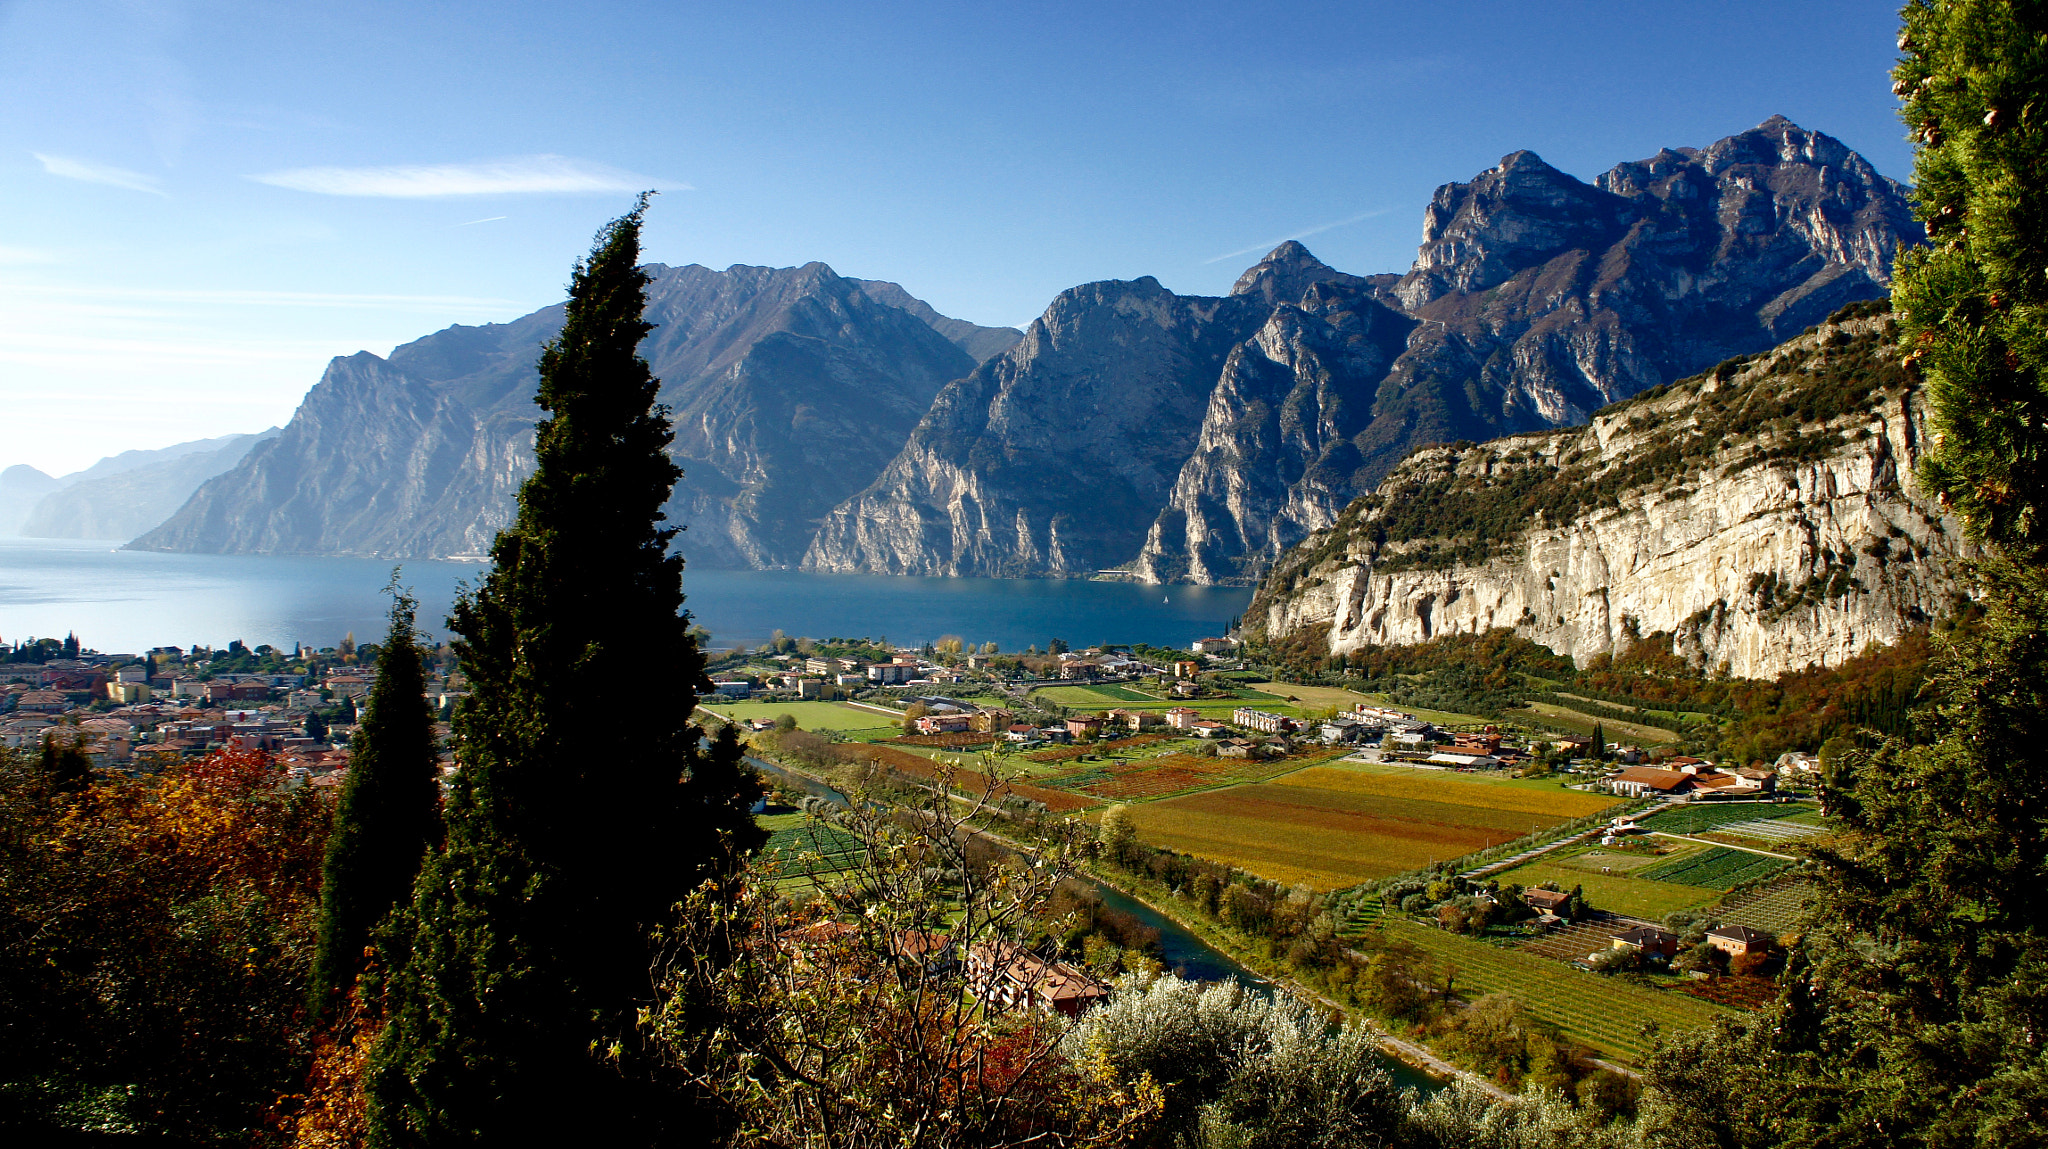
[(1622, 892), (1696, 818), (1615, 730), (1716, 869), (1776, 908), (1602, 1012), (803, 849), (808, 715), (1439, 717), (1096, 698)]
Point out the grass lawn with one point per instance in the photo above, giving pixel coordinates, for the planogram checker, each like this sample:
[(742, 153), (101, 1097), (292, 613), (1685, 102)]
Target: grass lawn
[(1617, 893), (808, 715), (1602, 1012), (1311, 697), (1615, 730), (1598, 861), (1439, 717)]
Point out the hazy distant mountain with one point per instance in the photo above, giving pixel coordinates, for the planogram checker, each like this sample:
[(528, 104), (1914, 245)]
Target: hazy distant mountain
[(790, 387), (124, 495), (21, 487)]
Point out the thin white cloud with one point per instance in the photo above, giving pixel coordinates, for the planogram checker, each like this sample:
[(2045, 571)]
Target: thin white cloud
[(259, 298), (486, 219), (24, 256), (1304, 233), (92, 173), (557, 175)]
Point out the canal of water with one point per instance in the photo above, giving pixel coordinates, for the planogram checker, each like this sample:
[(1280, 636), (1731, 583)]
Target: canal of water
[(1183, 952)]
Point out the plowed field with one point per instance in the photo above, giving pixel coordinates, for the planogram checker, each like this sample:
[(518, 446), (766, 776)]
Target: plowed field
[(1448, 788), (1327, 838)]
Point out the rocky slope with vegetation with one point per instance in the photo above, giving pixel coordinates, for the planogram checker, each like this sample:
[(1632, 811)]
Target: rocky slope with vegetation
[(1188, 438), (791, 387), (845, 425), (1764, 514)]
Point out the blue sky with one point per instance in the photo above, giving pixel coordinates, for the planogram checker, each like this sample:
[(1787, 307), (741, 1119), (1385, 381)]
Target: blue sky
[(206, 200)]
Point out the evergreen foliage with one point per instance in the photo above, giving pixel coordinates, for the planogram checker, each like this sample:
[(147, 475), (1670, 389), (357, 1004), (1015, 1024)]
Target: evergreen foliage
[(67, 768), (1973, 305), (1916, 1010), (389, 815), (571, 833)]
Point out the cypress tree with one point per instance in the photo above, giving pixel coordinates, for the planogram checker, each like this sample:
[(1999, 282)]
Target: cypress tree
[(67, 768), (586, 804), (1915, 1008), (1973, 304), (389, 815)]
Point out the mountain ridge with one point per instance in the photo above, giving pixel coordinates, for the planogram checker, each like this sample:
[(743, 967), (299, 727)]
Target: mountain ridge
[(1765, 515), (843, 425)]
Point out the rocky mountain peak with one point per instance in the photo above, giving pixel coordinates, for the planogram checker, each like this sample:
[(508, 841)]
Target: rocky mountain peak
[(1514, 216), (1286, 274)]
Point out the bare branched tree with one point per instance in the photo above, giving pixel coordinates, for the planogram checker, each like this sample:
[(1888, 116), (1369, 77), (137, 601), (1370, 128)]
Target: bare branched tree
[(891, 984)]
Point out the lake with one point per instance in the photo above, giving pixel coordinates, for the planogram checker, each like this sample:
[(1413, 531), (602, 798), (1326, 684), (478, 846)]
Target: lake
[(117, 600)]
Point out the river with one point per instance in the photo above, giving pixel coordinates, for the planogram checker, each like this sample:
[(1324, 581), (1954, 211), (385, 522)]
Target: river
[(1183, 952), (117, 600)]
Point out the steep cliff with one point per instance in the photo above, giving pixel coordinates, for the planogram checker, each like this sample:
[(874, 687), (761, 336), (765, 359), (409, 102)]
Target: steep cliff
[(1764, 514), (791, 389), (1534, 299), (1053, 457)]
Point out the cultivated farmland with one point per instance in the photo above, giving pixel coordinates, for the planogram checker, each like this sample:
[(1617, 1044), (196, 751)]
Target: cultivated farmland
[(1096, 696), (1717, 869), (1601, 1012), (1455, 789), (1635, 895), (1777, 908), (1699, 817), (1335, 835), (809, 715), (918, 767)]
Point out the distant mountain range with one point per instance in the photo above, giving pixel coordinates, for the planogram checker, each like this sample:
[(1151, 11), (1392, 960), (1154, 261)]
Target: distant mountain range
[(844, 425), (118, 497), (790, 388)]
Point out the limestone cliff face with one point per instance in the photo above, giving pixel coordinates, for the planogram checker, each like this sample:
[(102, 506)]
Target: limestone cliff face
[(1053, 457), (1534, 299), (791, 389), (1768, 519), (1275, 457)]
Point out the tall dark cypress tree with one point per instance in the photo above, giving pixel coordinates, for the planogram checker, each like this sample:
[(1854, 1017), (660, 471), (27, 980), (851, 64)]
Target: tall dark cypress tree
[(586, 805), (1915, 1008), (390, 810)]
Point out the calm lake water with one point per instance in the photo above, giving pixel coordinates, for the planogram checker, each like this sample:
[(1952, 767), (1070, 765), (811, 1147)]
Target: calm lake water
[(118, 600)]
